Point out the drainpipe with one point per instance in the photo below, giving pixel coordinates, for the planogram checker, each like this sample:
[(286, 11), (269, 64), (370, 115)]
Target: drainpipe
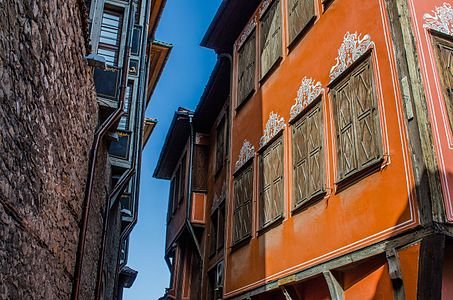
[(99, 134), (189, 115)]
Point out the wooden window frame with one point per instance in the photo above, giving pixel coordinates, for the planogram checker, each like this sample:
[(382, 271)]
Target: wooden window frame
[(247, 167), (303, 31), (264, 226), (445, 41), (317, 104), (371, 166), (241, 102), (215, 242), (274, 65), (220, 152), (116, 48)]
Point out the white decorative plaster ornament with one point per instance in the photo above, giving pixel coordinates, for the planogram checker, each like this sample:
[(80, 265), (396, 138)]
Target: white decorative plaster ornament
[(353, 47), (308, 91), (246, 32), (441, 20), (247, 152), (274, 125)]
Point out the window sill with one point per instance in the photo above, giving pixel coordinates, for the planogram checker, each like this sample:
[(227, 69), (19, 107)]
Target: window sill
[(241, 242), (292, 45), (271, 70), (304, 205), (272, 224), (359, 175)]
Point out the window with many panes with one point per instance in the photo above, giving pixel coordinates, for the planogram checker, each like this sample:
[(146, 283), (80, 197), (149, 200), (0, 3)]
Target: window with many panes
[(220, 145), (359, 144), (308, 156), (270, 38), (243, 196), (271, 183), (300, 14), (246, 69), (110, 37), (444, 49)]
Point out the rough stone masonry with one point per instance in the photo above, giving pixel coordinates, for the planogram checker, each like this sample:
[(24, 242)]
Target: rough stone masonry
[(48, 115)]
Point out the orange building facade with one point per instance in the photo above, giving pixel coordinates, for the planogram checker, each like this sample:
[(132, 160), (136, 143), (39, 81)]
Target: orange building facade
[(335, 136)]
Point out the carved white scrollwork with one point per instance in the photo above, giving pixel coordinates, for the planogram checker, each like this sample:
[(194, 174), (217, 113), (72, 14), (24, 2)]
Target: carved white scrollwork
[(308, 91), (274, 125), (353, 47), (441, 19), (247, 152)]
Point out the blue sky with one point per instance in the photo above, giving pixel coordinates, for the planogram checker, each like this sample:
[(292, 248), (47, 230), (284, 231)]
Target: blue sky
[(183, 24)]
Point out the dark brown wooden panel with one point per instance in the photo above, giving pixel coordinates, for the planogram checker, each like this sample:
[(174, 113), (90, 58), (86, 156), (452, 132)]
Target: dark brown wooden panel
[(200, 167), (300, 14), (246, 68), (270, 37)]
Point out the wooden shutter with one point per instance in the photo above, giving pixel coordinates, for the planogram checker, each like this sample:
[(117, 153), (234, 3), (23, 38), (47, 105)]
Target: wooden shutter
[(200, 166), (356, 120), (242, 214), (246, 68), (272, 189), (170, 200), (300, 14), (271, 37), (220, 146), (308, 156), (177, 190), (182, 184), (365, 113), (445, 67)]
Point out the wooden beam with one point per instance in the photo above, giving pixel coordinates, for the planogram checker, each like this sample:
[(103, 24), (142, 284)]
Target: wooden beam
[(335, 288), (431, 262), (424, 163), (396, 276)]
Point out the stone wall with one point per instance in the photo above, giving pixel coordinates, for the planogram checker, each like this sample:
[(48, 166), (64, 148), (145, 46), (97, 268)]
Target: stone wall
[(48, 115)]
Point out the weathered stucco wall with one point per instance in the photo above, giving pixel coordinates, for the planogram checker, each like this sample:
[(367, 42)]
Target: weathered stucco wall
[(48, 115)]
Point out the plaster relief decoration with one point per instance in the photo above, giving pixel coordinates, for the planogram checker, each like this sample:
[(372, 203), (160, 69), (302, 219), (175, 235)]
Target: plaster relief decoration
[(246, 32), (353, 47), (441, 20), (247, 153), (308, 91), (274, 125), (218, 199), (264, 7)]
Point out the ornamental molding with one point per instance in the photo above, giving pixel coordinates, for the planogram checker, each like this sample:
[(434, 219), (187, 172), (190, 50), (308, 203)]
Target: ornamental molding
[(263, 8), (274, 125), (247, 153), (218, 199), (309, 90), (441, 20), (352, 48), (246, 32)]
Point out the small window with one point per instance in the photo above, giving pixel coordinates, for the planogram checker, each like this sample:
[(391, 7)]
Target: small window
[(213, 234), (444, 57), (246, 69), (110, 37), (300, 14), (220, 146), (182, 184), (176, 190), (271, 38), (271, 187), (125, 118), (170, 200), (356, 121), (243, 196), (308, 156)]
